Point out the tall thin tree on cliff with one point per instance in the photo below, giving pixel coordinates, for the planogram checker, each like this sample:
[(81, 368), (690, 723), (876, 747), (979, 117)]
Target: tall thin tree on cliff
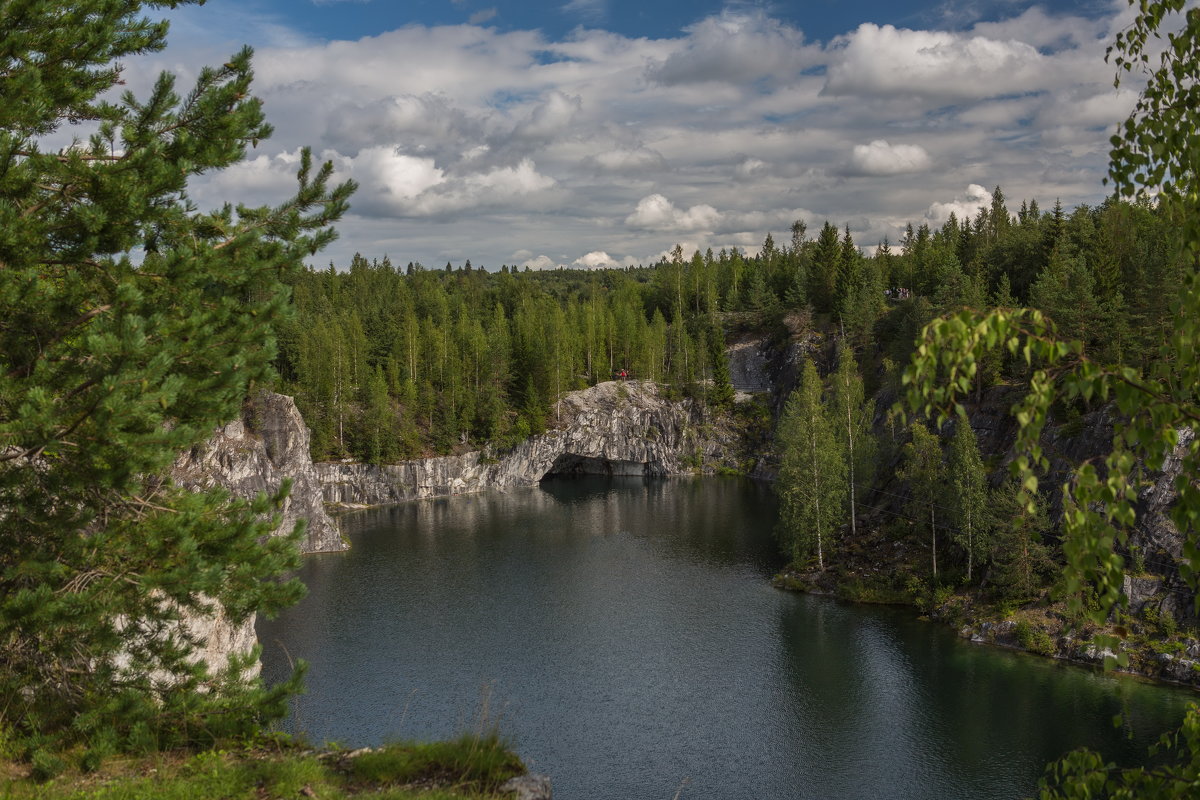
[(852, 415), (925, 473), (969, 500), (812, 473), (109, 368)]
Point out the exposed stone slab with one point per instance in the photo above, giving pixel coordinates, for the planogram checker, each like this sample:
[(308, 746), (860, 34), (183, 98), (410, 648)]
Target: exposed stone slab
[(250, 455)]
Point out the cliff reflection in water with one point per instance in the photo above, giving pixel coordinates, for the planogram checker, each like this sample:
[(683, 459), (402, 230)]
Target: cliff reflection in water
[(629, 639)]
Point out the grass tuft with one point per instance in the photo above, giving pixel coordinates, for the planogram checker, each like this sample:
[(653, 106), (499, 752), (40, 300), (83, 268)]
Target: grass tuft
[(480, 762)]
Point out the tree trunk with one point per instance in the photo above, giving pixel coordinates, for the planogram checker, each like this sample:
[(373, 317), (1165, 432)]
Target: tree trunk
[(850, 464), (970, 546), (933, 530), (817, 499)]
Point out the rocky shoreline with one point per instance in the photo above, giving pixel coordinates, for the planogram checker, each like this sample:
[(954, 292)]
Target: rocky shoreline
[(1154, 650)]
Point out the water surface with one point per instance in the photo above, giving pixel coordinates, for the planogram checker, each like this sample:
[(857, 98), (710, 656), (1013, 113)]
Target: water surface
[(623, 635)]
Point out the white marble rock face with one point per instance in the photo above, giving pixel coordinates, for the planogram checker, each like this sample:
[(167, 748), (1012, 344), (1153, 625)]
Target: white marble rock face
[(254, 454), (617, 427)]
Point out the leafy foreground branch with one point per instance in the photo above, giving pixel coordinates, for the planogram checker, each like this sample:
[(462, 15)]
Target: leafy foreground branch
[(1083, 774)]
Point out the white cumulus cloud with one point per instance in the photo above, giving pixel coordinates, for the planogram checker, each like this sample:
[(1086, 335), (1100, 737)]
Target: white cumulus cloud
[(883, 158), (885, 60), (601, 142), (541, 262), (655, 212), (963, 206), (735, 47), (482, 15), (597, 259)]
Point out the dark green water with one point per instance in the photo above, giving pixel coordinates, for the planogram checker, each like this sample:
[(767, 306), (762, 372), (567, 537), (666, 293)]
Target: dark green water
[(623, 635)]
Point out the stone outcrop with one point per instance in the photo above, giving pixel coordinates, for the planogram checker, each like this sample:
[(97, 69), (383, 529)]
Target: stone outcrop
[(615, 428), (254, 454), (248, 456), (529, 787), (1154, 539)]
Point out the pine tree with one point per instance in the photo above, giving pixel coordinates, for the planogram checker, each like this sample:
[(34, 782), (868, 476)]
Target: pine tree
[(109, 369), (812, 473)]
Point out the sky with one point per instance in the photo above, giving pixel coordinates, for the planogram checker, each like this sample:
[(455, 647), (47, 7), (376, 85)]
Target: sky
[(596, 133)]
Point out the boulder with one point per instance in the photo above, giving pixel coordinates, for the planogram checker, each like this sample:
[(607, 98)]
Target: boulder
[(528, 787)]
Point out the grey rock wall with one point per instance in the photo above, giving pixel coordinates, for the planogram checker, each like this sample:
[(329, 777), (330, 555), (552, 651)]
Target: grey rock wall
[(256, 453), (624, 428), (253, 454)]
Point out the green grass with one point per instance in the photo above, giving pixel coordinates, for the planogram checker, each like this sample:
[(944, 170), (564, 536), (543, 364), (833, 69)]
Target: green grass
[(467, 768), (480, 762)]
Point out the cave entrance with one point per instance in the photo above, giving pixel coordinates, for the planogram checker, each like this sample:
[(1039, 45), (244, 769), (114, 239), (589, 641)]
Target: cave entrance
[(569, 465)]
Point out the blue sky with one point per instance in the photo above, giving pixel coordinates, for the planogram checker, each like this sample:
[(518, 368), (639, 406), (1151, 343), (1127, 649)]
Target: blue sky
[(820, 19), (602, 132)]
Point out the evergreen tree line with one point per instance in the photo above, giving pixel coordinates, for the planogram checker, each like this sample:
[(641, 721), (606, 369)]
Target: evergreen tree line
[(830, 455), (388, 364)]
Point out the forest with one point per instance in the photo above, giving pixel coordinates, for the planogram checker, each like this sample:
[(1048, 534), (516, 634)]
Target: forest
[(390, 363)]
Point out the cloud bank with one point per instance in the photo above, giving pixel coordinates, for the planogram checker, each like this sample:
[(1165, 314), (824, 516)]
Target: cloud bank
[(601, 149)]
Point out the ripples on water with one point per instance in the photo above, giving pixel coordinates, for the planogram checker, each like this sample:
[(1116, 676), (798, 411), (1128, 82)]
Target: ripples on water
[(627, 642)]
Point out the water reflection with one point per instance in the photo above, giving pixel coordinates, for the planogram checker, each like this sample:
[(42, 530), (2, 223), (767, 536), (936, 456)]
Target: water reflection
[(630, 642)]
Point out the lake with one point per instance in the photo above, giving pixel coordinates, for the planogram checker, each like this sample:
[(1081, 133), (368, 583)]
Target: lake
[(622, 634)]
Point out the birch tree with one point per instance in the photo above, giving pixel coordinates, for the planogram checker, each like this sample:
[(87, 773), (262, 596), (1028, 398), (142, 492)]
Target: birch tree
[(812, 474)]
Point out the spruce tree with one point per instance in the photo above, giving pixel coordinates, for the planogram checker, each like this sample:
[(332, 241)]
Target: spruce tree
[(1019, 559), (722, 393), (110, 366), (826, 269)]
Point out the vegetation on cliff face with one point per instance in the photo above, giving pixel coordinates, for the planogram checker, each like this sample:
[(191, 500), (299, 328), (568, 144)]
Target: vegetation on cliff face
[(388, 364), (132, 325)]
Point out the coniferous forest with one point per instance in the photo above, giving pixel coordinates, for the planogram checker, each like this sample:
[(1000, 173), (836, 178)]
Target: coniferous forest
[(390, 362)]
